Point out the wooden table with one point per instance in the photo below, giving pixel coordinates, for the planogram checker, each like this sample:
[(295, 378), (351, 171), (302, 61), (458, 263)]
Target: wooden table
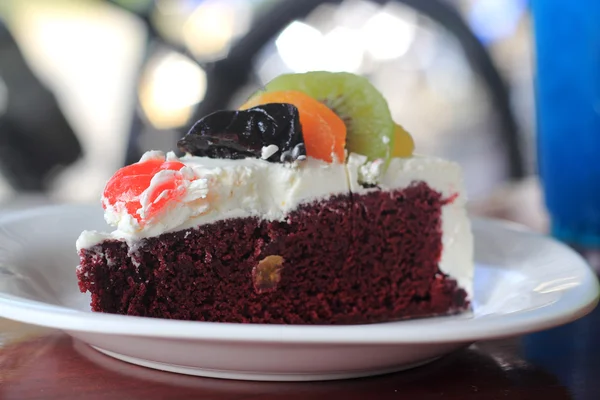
[(562, 363)]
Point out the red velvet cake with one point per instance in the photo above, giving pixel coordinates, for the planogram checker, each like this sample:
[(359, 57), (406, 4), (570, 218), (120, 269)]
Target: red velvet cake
[(257, 224)]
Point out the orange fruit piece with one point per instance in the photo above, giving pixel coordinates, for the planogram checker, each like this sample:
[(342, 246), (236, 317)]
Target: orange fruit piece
[(128, 184), (404, 144), (323, 131)]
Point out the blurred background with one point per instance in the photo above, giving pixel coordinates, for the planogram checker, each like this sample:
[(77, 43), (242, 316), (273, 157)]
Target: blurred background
[(88, 85)]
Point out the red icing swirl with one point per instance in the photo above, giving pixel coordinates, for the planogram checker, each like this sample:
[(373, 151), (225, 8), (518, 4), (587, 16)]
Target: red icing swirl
[(129, 183)]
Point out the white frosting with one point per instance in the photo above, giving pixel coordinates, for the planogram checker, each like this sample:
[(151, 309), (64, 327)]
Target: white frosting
[(370, 172), (268, 151), (222, 189)]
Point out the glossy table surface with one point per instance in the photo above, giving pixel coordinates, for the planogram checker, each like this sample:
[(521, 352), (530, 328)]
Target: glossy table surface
[(562, 363)]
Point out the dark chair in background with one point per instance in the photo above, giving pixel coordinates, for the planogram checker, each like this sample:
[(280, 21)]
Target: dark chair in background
[(36, 140)]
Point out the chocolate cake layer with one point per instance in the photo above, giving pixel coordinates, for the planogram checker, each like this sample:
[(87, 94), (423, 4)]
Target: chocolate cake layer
[(346, 260)]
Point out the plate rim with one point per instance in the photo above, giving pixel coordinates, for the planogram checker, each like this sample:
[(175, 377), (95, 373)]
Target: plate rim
[(573, 304)]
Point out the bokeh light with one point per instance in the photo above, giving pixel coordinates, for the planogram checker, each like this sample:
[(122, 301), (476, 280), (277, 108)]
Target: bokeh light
[(170, 88)]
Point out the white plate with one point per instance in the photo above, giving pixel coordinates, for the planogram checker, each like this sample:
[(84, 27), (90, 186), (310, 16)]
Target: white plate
[(524, 283)]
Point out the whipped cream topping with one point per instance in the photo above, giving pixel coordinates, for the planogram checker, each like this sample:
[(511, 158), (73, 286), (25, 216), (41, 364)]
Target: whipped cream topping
[(217, 189), (268, 151)]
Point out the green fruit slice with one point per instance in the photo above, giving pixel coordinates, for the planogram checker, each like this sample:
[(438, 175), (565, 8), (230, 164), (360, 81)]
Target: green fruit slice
[(370, 128)]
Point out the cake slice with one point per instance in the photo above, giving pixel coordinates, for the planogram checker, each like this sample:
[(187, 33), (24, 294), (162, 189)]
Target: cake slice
[(257, 223)]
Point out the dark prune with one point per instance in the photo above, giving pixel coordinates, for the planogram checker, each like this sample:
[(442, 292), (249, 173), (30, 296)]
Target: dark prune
[(243, 134)]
